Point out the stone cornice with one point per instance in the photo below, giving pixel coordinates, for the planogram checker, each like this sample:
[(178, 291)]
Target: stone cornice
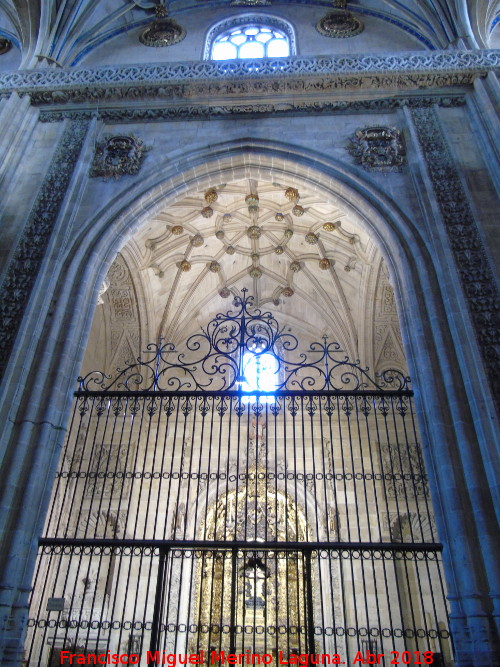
[(244, 78)]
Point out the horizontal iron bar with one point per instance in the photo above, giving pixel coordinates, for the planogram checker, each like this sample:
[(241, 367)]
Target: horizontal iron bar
[(235, 394), (257, 546)]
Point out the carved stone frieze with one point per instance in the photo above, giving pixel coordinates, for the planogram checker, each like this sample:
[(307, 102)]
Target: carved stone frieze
[(472, 264), (218, 78), (117, 156), (31, 248), (230, 110), (378, 148)]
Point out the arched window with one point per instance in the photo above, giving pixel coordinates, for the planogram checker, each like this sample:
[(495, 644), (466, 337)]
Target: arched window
[(250, 36), (261, 374)]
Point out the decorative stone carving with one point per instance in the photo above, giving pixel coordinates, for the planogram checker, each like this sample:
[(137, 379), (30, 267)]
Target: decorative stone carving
[(225, 292), (311, 238), (177, 230), (288, 233), (292, 194), (254, 232), (211, 79), (185, 265), (163, 31), (324, 263), (29, 253), (197, 241), (298, 210), (256, 272), (230, 250), (330, 226), (295, 266), (5, 45), (473, 267), (401, 463), (219, 234), (288, 292), (211, 196), (214, 267), (207, 212), (340, 23), (117, 156), (172, 113), (378, 148), (279, 250), (279, 217)]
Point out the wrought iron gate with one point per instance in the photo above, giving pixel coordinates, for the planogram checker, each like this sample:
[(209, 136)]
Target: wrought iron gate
[(194, 513)]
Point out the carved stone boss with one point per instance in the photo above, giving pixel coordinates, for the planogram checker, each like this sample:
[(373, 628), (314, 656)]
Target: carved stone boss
[(31, 248), (473, 266)]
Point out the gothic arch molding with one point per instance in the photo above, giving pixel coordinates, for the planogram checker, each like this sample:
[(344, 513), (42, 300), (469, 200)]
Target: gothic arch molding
[(75, 289)]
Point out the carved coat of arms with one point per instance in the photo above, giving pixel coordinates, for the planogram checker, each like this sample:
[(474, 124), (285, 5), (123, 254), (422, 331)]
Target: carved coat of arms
[(378, 148)]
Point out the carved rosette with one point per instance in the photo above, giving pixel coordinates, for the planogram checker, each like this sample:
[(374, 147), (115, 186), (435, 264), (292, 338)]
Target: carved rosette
[(340, 23), (118, 156), (378, 148), (163, 31)]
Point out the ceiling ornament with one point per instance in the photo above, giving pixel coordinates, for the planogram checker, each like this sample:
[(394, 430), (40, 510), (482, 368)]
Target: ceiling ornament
[(227, 217), (5, 45), (225, 292), (185, 265), (207, 212), (177, 230), (279, 250), (298, 210), (288, 292), (340, 23), (254, 232), (330, 226), (214, 267), (211, 196), (311, 238), (288, 233), (118, 155), (197, 241), (255, 272), (230, 250), (279, 217), (292, 194), (378, 148), (295, 267), (219, 234), (163, 31), (324, 264)]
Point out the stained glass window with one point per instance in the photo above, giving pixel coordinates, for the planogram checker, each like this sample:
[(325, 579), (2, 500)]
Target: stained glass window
[(250, 41)]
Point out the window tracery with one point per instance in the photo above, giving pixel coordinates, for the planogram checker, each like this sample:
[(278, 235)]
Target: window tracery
[(250, 36)]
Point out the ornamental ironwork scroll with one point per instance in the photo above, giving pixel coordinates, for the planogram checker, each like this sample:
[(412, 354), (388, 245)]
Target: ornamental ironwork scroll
[(214, 360)]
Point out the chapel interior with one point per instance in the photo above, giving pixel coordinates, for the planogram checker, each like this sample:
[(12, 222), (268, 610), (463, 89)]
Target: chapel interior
[(250, 346)]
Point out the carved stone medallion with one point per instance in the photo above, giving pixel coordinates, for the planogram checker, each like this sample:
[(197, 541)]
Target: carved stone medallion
[(163, 31), (117, 156), (378, 148), (340, 23)]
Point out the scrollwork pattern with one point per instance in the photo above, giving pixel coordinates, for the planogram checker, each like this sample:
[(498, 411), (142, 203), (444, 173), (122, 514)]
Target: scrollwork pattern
[(214, 360)]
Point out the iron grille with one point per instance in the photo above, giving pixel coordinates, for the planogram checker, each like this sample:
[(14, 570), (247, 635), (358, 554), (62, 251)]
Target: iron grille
[(190, 517)]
